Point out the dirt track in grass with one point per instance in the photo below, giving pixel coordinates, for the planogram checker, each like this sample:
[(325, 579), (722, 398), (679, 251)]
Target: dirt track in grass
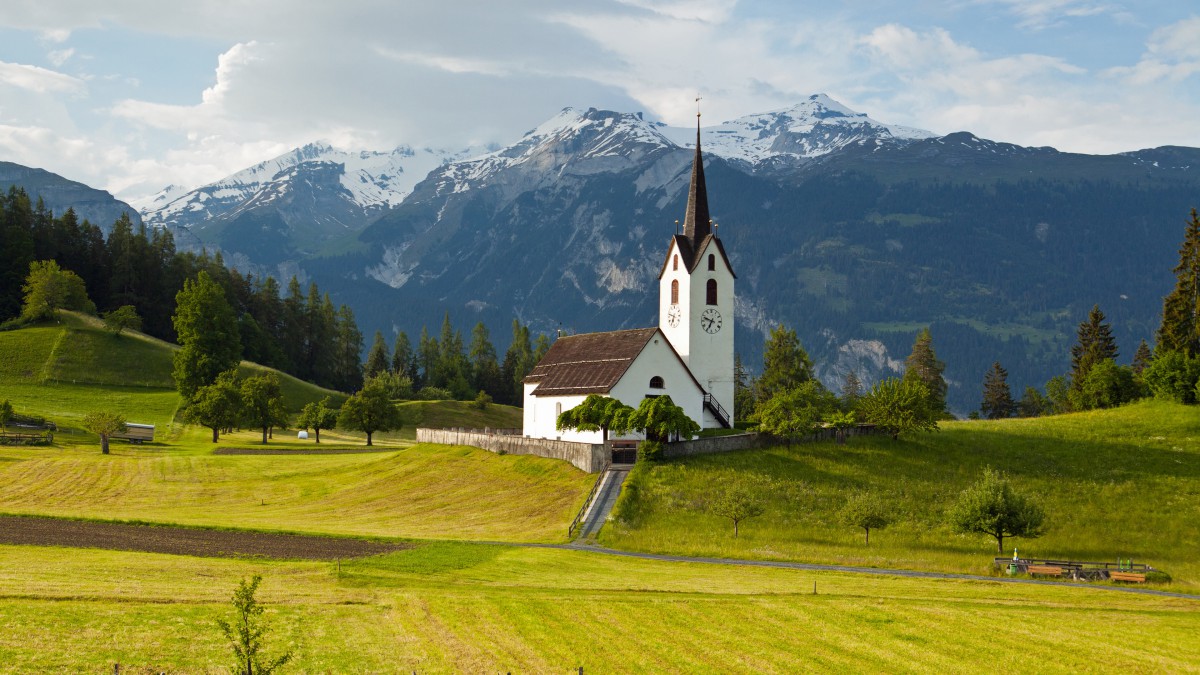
[(35, 531)]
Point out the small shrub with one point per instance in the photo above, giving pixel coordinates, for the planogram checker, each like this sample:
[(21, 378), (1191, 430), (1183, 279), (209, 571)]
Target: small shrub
[(650, 451), (434, 394), (1158, 577), (482, 400)]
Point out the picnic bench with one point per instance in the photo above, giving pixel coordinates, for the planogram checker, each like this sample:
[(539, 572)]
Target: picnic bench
[(1132, 577), (1051, 570)]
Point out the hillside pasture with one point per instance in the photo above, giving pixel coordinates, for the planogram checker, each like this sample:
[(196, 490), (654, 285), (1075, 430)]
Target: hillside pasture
[(422, 491), (1123, 483), (446, 607)]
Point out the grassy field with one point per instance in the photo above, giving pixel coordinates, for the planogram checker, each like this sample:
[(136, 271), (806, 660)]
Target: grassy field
[(1115, 484), (441, 414), (422, 491), (479, 608)]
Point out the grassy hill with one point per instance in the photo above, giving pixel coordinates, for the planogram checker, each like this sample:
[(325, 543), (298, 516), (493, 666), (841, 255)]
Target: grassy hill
[(442, 414), (1121, 483)]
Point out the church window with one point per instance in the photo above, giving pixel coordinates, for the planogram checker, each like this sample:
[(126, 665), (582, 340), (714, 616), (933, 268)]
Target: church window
[(656, 382), (712, 262), (674, 291), (675, 263), (712, 291), (557, 410)]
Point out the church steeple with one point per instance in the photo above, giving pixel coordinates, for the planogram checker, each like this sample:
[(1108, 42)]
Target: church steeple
[(697, 224)]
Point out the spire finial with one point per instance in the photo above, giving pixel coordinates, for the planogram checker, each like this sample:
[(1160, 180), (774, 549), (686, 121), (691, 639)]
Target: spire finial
[(698, 109)]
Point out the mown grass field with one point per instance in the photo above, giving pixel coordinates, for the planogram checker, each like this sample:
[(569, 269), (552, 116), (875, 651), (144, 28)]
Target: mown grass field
[(442, 414), (479, 608), (1122, 483), (421, 491)]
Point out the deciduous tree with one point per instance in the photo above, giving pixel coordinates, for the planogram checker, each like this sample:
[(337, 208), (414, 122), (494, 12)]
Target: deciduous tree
[(795, 412), (122, 319), (370, 410), (865, 510), (897, 407), (49, 288), (262, 403), (738, 497), (992, 507), (218, 405), (247, 632), (595, 413), (317, 416), (660, 419), (104, 423), (208, 335)]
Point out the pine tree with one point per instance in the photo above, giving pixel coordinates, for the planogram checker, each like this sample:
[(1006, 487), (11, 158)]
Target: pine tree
[(1095, 344), (785, 363), (377, 357), (1141, 358), (485, 370), (428, 353), (515, 368), (997, 397), (404, 361), (1180, 329), (923, 366), (851, 390)]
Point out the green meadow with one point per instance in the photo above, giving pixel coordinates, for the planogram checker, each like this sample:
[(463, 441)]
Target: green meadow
[(487, 608), (1121, 483), (1117, 483)]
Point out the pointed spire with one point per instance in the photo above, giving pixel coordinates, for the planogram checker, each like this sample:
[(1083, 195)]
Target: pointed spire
[(697, 224)]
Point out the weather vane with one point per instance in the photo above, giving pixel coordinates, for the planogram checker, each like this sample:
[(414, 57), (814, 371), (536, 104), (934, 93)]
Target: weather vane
[(697, 105)]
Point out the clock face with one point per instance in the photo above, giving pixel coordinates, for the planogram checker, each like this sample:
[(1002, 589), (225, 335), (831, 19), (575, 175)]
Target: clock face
[(673, 315), (710, 320)]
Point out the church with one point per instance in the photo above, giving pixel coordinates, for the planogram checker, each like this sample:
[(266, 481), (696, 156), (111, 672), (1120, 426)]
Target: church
[(688, 357)]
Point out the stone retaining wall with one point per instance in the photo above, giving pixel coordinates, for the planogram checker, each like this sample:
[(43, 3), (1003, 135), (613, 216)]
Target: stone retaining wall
[(714, 444), (587, 457)]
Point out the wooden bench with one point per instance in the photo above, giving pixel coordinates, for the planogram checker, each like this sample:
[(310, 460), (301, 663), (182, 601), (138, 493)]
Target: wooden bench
[(1133, 577), (1045, 569)]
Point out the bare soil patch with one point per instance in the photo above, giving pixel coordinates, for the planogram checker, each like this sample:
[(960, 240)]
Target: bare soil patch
[(37, 531)]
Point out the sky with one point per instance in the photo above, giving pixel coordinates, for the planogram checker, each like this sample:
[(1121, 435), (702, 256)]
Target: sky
[(133, 95)]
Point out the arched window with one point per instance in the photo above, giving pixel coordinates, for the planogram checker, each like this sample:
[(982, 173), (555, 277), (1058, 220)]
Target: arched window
[(712, 291), (656, 382), (674, 291), (712, 262), (675, 263)]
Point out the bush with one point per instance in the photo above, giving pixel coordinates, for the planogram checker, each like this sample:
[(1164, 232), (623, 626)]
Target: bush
[(482, 400), (434, 394), (650, 451), (1173, 376), (1158, 577)]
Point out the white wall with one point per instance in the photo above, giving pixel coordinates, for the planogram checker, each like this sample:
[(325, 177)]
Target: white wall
[(711, 354)]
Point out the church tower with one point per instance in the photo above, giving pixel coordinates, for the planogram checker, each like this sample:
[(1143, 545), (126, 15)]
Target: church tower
[(695, 307)]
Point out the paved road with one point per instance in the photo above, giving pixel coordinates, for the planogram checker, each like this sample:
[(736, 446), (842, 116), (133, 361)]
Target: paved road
[(603, 503)]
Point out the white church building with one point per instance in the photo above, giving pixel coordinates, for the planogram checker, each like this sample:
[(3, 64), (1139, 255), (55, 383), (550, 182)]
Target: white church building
[(689, 356)]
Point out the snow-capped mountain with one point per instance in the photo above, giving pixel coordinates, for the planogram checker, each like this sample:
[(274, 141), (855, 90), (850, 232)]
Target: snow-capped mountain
[(296, 200), (815, 127)]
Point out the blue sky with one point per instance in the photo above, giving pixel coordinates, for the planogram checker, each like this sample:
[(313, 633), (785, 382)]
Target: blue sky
[(137, 94)]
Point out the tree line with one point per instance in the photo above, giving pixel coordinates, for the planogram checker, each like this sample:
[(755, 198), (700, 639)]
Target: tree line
[(139, 271), (1170, 370)]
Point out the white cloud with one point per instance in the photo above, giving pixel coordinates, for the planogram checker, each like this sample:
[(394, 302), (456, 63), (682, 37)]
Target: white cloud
[(38, 79), (1172, 54), (1041, 14), (60, 56)]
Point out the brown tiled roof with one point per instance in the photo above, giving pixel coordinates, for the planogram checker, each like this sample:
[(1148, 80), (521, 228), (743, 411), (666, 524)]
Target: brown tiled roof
[(591, 363)]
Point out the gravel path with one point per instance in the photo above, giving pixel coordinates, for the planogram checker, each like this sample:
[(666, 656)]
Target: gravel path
[(37, 531), (859, 570)]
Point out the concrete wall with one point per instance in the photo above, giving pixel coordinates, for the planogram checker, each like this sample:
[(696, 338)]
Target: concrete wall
[(589, 457), (707, 446)]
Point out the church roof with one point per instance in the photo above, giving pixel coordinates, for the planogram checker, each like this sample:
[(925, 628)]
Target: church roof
[(591, 363), (691, 257)]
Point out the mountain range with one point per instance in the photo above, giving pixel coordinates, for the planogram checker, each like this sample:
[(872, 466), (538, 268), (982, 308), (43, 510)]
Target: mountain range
[(854, 232)]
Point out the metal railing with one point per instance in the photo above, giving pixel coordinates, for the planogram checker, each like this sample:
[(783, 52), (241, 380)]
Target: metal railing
[(588, 502), (715, 406)]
